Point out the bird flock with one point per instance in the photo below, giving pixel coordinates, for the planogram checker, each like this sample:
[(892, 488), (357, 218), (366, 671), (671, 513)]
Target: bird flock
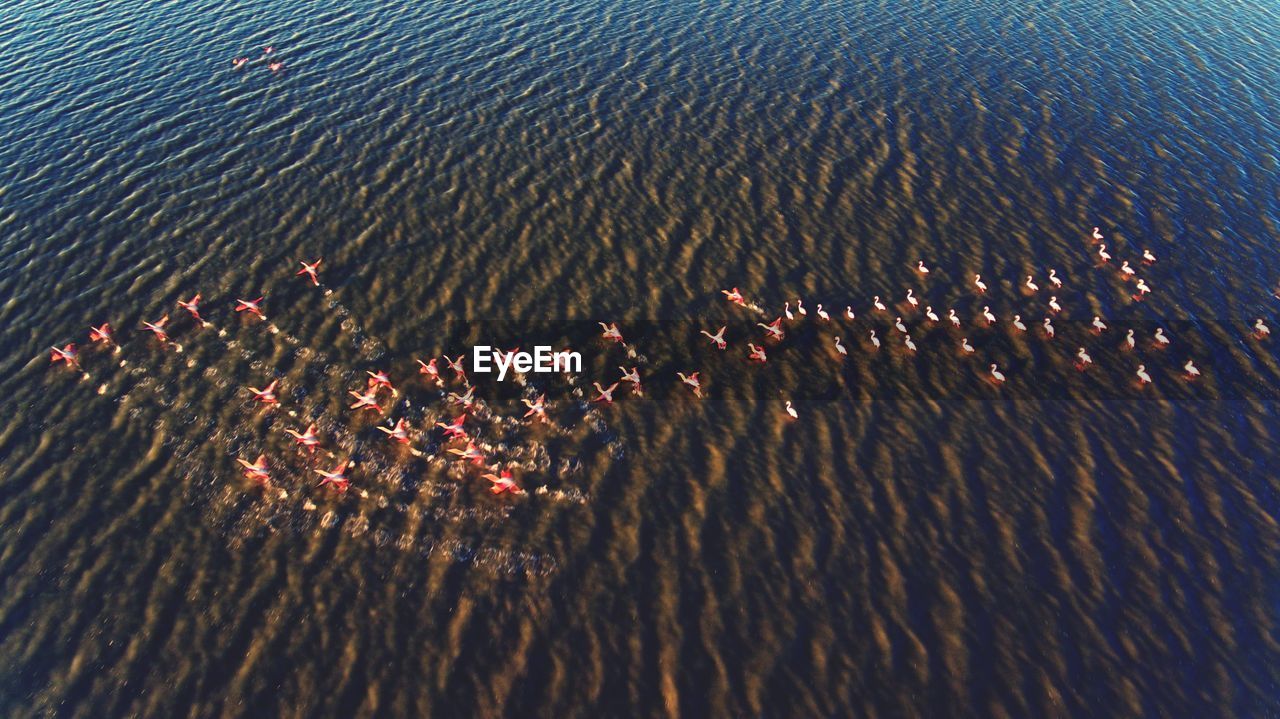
[(378, 395)]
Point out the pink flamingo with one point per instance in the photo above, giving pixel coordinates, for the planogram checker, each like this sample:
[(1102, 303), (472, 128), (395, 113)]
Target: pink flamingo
[(310, 271)]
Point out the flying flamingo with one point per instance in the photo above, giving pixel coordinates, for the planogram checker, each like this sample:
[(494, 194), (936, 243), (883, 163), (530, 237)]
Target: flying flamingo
[(397, 433), (310, 271), (822, 314), (774, 328), (456, 366), (257, 470), (157, 328), (380, 379), (718, 338), (192, 306), (792, 411), (610, 332), (472, 453), (67, 354), (430, 370), (503, 482), (455, 429), (757, 353), (734, 296), (692, 381), (977, 282), (266, 395), (252, 307), (606, 395), (307, 439), (537, 409), (466, 399), (102, 334), (997, 375), (365, 401), (633, 376), (336, 476)]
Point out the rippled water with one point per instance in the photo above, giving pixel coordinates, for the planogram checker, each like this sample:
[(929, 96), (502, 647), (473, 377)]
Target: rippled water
[(918, 543)]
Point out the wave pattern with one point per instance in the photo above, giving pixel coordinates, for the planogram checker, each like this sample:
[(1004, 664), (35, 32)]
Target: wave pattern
[(590, 160)]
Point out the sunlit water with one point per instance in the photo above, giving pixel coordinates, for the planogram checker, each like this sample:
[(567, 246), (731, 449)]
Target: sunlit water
[(1073, 551)]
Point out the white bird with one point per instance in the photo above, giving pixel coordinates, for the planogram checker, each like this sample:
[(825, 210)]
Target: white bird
[(1143, 377), (921, 268), (717, 339), (951, 315), (1260, 329), (1096, 234), (964, 345), (800, 307), (1128, 339), (1084, 358), (1017, 322), (1190, 367), (1053, 277), (977, 282), (996, 374), (1126, 269), (840, 348), (1098, 324), (1142, 287), (848, 312), (1150, 259), (1053, 304), (875, 340), (928, 312), (1102, 252), (1031, 284), (878, 304), (791, 411), (897, 322), (1048, 328), (986, 313), (823, 313), (911, 299), (910, 345), (1160, 337), (786, 310)]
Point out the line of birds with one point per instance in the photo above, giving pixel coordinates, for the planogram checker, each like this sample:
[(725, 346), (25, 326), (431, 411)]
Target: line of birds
[(273, 66), (368, 398)]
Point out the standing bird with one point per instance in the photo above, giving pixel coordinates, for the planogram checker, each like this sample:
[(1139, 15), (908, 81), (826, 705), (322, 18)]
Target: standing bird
[(1097, 235), (310, 270), (931, 315), (964, 345), (1143, 289), (791, 411), (1053, 304), (878, 304), (1048, 328), (986, 313), (800, 307), (1017, 322), (1160, 338), (1191, 370), (1260, 330), (921, 268), (897, 323), (1103, 254), (1099, 325), (951, 315), (875, 340), (1143, 377), (911, 299), (840, 348), (1053, 278), (910, 345), (848, 312), (1084, 360), (1129, 341), (977, 282), (1148, 258), (1127, 270), (1031, 284), (786, 310), (997, 375), (822, 314)]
